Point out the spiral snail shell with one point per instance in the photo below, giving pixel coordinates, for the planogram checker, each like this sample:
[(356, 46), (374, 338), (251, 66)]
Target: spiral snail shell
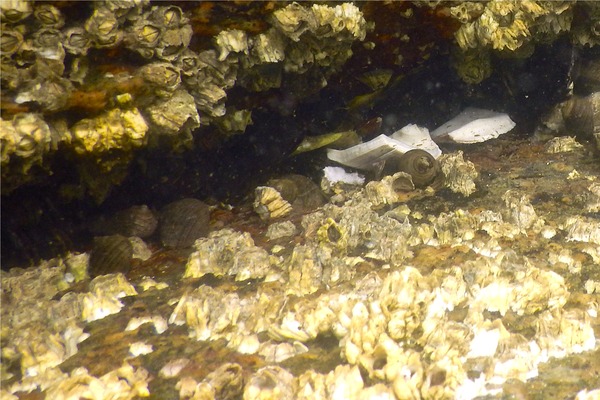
[(184, 221), (134, 221), (422, 167), (110, 254)]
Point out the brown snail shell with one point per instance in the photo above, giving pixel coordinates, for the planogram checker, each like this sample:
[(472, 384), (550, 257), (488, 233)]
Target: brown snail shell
[(134, 221), (298, 190), (110, 254), (184, 221), (582, 115), (421, 166)]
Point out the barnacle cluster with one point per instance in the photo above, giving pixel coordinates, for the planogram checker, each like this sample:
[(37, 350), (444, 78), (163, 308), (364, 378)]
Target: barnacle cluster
[(30, 308), (513, 28), (416, 304), (509, 24), (45, 68)]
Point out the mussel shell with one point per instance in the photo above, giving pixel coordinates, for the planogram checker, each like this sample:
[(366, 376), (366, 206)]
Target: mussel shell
[(110, 254), (134, 221), (184, 221), (421, 165)]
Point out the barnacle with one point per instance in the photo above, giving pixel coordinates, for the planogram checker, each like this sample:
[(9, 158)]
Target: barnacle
[(15, 10), (509, 24), (227, 252), (49, 16), (460, 174), (175, 115), (10, 41), (114, 129), (103, 27), (269, 203), (77, 40)]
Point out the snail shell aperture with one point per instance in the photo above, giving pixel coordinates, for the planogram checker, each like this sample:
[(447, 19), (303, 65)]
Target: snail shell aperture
[(421, 165)]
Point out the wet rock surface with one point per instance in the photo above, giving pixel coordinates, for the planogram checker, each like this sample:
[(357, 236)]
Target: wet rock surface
[(491, 295)]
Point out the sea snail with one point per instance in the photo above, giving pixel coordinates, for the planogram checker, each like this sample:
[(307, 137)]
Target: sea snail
[(422, 167)]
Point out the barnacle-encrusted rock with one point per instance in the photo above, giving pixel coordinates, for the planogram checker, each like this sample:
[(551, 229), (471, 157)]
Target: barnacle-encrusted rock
[(227, 252), (582, 229), (49, 16), (114, 129), (162, 77), (25, 142), (104, 295), (27, 138), (460, 174), (281, 229), (103, 28), (271, 382), (593, 198), (562, 144), (389, 190), (124, 382), (520, 211), (15, 10), (176, 115), (510, 24), (224, 382)]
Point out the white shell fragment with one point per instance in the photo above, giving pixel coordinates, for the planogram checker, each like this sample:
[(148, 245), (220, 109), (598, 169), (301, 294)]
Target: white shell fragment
[(474, 125), (365, 155), (417, 137), (337, 174)]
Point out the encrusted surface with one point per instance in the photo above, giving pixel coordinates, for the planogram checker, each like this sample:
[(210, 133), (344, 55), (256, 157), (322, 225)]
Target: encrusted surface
[(445, 296)]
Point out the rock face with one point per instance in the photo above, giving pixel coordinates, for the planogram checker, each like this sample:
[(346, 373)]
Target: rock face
[(109, 104), (356, 298)]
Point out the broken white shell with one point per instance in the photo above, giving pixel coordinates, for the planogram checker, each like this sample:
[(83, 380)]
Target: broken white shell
[(367, 155), (474, 125)]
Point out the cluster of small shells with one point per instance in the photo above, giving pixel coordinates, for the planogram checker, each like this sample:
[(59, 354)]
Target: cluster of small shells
[(456, 331), (172, 94)]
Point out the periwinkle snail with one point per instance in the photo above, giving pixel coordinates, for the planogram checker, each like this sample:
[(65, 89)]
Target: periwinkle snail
[(421, 166)]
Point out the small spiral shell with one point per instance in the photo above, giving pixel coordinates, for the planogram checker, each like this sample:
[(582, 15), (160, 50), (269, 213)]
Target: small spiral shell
[(134, 221), (421, 165)]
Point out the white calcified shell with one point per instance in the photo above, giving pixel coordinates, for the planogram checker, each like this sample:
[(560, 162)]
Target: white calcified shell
[(278, 230), (270, 383), (176, 114), (474, 125), (593, 198), (227, 252), (460, 174), (140, 349), (231, 41), (366, 155), (417, 137)]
